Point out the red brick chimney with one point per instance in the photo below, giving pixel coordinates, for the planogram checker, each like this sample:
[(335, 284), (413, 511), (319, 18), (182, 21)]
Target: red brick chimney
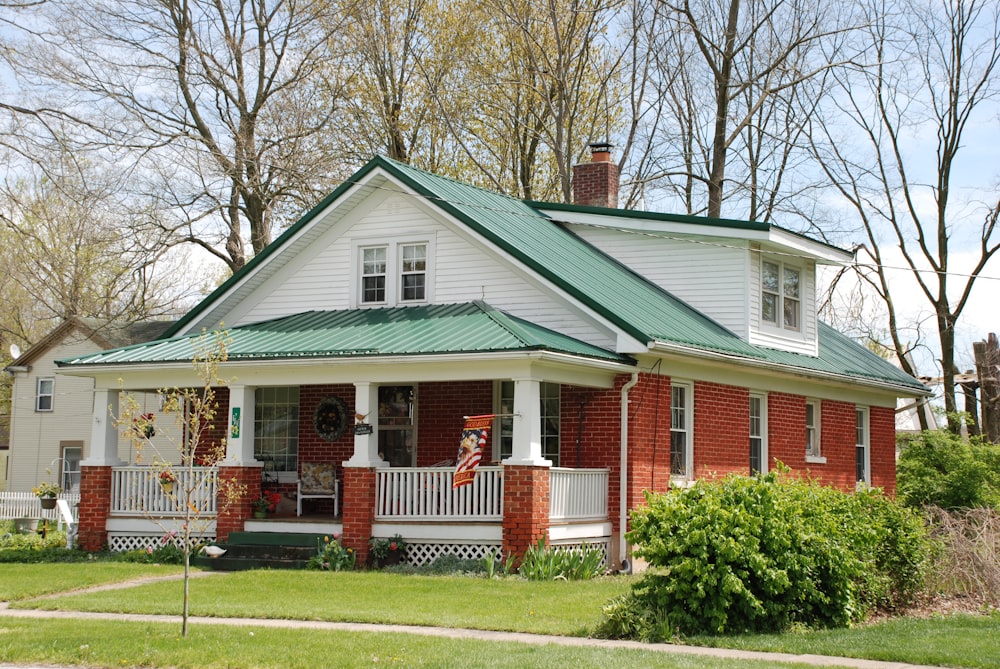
[(595, 184)]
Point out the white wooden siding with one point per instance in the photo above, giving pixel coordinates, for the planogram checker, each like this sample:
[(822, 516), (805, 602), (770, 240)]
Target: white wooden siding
[(464, 270), (710, 276)]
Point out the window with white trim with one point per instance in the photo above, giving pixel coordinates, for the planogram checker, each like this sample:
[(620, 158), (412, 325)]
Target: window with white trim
[(276, 428), (72, 454), (681, 461), (413, 272), (862, 460), (781, 295), (758, 435), (45, 392), (389, 273), (812, 430), (373, 274)]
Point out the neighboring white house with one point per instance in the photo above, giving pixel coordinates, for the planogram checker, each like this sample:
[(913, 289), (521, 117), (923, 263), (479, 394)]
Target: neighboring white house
[(52, 415)]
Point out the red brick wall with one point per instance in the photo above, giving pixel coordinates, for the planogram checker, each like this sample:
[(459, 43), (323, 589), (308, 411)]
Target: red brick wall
[(598, 434), (95, 506), (596, 184), (837, 435), (359, 510), (786, 430), (882, 430), (233, 512), (648, 439), (525, 508), (440, 411), (721, 430), (312, 447)]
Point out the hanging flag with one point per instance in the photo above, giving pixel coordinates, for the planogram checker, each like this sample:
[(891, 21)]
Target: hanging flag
[(472, 448)]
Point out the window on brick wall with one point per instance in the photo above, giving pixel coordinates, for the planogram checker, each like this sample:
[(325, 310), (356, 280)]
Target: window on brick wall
[(862, 450), (813, 453), (681, 416), (503, 443), (758, 434), (276, 428)]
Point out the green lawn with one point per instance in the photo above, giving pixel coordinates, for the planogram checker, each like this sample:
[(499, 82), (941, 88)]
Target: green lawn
[(560, 608)]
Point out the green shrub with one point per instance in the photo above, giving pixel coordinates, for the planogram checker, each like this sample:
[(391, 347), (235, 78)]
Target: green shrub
[(764, 554), (938, 468)]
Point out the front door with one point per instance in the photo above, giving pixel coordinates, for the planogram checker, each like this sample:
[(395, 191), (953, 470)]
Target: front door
[(396, 425)]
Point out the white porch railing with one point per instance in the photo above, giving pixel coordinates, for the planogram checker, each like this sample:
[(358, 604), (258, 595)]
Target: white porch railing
[(136, 491), (578, 494), (14, 505), (422, 493)]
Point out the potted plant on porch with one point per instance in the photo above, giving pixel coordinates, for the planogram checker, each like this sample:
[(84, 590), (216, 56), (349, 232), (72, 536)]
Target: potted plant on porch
[(167, 480), (386, 552), (266, 503), (47, 493)]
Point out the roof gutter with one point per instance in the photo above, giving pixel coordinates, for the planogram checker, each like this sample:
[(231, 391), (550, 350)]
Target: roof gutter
[(907, 391), (14, 369)]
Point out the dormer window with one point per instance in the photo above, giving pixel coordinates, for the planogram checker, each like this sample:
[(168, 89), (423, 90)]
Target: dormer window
[(781, 298)]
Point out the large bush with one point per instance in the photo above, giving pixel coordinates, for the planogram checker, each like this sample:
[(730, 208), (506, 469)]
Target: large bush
[(942, 469), (764, 554)]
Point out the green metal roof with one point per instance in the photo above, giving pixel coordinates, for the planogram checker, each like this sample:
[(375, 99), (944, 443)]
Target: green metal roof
[(420, 330), (626, 299)]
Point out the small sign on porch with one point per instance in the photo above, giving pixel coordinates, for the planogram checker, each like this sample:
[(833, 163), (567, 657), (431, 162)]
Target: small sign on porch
[(234, 424), (363, 428)]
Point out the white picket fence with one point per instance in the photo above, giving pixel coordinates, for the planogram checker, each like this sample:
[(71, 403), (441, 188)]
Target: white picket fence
[(16, 505)]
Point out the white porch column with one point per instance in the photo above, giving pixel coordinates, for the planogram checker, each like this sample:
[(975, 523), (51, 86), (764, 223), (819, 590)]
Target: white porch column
[(366, 445), (239, 434), (103, 450), (527, 429)]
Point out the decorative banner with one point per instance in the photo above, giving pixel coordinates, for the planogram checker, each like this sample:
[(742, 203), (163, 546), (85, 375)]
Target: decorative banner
[(472, 448), (234, 424)]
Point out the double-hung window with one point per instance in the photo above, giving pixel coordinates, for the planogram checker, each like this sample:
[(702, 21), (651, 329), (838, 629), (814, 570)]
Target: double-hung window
[(681, 461), (413, 272), (276, 428), (813, 452), (758, 431), (862, 461), (549, 409), (45, 392), (781, 295), (392, 273), (373, 274)]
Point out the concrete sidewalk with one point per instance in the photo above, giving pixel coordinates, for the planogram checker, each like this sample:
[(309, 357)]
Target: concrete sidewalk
[(452, 633)]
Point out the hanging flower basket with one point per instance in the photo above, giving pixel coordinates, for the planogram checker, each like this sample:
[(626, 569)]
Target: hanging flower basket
[(167, 479), (47, 502)]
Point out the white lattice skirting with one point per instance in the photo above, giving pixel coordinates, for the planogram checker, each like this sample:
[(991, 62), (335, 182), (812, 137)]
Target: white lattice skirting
[(139, 542), (426, 552), (602, 545)]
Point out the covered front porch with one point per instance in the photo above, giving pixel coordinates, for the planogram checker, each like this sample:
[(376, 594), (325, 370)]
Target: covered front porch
[(381, 396)]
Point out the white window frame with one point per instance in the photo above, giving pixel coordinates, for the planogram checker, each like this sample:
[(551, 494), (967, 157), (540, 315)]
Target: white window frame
[(263, 444), (404, 273), (862, 443), (69, 475), (40, 395), (684, 427), (760, 433), (780, 297), (384, 274), (814, 446), (393, 270)]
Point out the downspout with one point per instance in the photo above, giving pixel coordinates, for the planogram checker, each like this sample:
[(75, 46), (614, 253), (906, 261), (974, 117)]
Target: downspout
[(623, 474)]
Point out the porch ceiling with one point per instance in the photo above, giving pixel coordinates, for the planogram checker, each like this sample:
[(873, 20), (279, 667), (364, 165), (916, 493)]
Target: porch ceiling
[(433, 330)]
